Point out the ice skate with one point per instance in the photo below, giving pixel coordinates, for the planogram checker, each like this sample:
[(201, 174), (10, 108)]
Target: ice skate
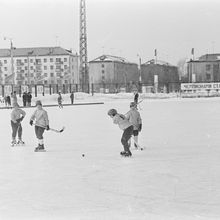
[(122, 153), (126, 154), (40, 148), (20, 142), (13, 143)]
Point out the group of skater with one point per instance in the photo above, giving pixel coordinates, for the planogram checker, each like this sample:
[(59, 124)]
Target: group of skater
[(39, 119), (130, 123)]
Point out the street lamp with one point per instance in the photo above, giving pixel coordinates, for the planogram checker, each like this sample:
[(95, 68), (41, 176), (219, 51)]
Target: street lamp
[(11, 53), (140, 79)]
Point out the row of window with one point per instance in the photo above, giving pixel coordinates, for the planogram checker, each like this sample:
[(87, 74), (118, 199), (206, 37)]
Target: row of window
[(32, 68), (19, 61)]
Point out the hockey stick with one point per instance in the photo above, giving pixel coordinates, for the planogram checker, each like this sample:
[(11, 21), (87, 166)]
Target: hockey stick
[(51, 129), (141, 148)]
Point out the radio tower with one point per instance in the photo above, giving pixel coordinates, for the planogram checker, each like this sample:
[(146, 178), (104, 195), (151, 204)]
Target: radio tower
[(84, 74)]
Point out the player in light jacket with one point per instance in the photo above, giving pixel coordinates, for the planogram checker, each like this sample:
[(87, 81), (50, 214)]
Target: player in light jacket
[(135, 118), (41, 122), (17, 115), (127, 128)]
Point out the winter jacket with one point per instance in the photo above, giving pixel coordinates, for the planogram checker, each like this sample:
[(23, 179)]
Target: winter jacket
[(122, 121), (135, 118), (41, 118), (16, 114)]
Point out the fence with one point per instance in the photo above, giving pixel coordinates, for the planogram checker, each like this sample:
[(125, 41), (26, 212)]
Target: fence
[(89, 88)]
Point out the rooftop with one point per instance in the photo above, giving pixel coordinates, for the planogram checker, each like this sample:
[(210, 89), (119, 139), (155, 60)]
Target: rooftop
[(35, 51)]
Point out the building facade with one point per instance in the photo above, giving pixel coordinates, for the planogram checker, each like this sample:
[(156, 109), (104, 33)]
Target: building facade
[(160, 76), (40, 65), (111, 69), (205, 69)]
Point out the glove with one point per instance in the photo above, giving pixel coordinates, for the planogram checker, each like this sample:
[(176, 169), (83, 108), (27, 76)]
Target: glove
[(47, 128), (140, 127), (31, 122), (20, 119)]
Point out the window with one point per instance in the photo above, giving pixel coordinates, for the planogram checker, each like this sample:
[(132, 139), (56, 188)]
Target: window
[(103, 65), (208, 67), (45, 67), (5, 61), (5, 68), (45, 74), (51, 67), (45, 60), (208, 76), (65, 66), (32, 68), (51, 59), (58, 59), (45, 81), (25, 68), (52, 74), (103, 71), (65, 59), (31, 60), (25, 60)]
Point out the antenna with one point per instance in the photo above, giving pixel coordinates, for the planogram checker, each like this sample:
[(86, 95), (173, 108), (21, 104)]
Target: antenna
[(84, 75)]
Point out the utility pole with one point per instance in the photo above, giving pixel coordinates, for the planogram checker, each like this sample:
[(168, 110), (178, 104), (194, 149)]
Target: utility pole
[(12, 59), (84, 73)]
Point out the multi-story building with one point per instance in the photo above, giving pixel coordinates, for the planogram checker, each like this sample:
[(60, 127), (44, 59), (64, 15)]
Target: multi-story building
[(160, 76), (205, 69), (40, 65), (112, 69)]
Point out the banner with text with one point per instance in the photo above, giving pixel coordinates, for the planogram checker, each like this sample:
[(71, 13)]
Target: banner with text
[(200, 86)]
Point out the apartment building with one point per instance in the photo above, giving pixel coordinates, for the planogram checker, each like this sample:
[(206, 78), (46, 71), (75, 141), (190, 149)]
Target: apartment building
[(204, 69), (112, 69), (40, 65)]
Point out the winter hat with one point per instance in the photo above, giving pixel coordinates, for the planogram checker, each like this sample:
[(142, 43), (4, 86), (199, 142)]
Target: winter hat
[(38, 102), (112, 112), (15, 104), (133, 104)]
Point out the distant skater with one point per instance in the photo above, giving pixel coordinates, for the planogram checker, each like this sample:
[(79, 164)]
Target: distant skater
[(72, 97), (60, 100), (136, 96), (134, 118), (127, 128), (17, 115), (41, 122)]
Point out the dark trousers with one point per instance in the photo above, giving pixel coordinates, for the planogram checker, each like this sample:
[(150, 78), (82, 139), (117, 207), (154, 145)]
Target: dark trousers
[(39, 132), (16, 128), (126, 136)]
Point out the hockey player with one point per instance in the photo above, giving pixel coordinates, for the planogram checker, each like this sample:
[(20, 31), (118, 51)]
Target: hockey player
[(127, 128), (136, 96), (17, 115), (134, 118), (41, 122), (59, 100)]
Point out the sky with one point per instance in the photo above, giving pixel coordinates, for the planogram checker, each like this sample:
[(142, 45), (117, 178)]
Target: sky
[(131, 29)]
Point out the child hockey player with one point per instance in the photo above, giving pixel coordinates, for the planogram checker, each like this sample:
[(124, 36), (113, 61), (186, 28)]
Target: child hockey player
[(134, 118), (60, 99), (127, 128), (17, 115), (41, 122)]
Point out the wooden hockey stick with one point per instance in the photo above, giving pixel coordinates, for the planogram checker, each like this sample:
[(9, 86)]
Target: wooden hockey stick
[(141, 148), (52, 129)]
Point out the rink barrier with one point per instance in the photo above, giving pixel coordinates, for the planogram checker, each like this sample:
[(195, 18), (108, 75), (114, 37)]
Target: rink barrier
[(56, 105)]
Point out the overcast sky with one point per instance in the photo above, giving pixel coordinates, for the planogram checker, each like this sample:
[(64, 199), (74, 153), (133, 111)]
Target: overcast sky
[(117, 27)]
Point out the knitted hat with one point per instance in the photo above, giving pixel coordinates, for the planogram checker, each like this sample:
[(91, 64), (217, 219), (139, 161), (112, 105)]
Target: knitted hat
[(38, 102)]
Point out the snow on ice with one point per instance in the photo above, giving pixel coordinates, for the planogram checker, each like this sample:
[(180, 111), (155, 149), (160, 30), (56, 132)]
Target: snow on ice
[(177, 176)]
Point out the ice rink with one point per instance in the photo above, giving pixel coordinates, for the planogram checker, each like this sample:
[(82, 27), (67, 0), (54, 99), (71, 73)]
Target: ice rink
[(176, 177)]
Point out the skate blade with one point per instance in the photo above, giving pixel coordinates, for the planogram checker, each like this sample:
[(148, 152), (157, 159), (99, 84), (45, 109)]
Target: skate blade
[(40, 151)]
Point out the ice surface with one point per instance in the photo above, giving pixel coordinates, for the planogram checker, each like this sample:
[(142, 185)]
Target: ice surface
[(176, 177)]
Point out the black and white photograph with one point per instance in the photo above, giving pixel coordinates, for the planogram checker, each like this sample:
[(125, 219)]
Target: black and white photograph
[(110, 110)]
